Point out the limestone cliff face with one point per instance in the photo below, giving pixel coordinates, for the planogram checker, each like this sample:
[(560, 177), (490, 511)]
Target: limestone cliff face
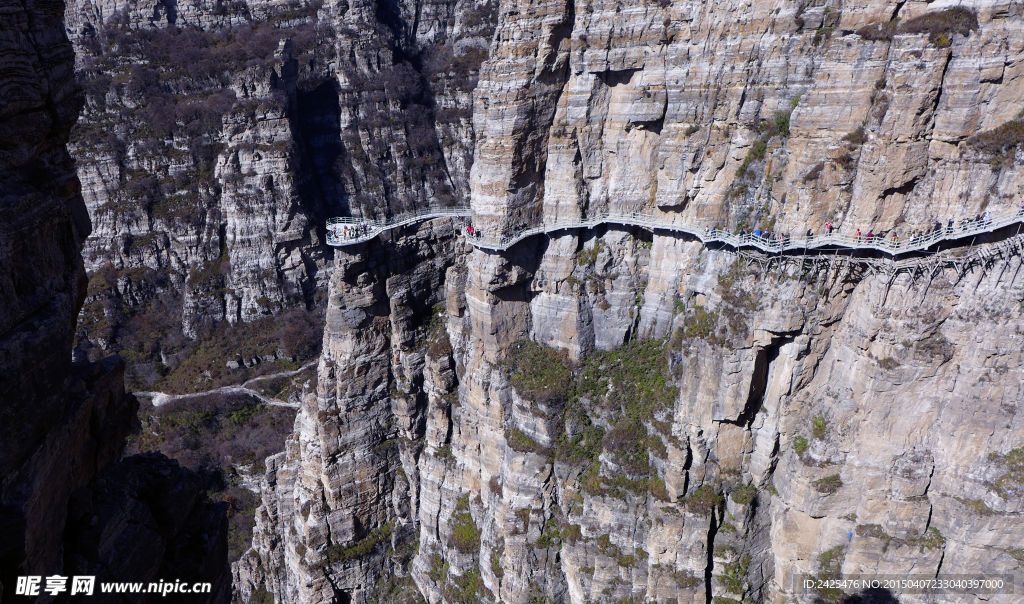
[(340, 479), (67, 504), (815, 416), (218, 138)]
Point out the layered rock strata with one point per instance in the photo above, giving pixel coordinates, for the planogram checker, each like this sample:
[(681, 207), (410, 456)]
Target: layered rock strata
[(339, 493), (209, 173), (764, 421)]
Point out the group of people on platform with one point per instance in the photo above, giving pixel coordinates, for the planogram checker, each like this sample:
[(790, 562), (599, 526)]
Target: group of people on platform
[(348, 231)]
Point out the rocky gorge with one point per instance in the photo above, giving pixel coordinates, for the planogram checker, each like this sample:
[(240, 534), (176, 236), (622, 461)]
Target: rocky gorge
[(593, 415)]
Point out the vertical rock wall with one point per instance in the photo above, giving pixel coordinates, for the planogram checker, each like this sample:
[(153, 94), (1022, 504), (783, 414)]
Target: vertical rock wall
[(824, 417), (209, 173)]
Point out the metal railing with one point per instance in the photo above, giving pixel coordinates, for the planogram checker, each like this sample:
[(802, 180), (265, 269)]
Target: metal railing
[(348, 231)]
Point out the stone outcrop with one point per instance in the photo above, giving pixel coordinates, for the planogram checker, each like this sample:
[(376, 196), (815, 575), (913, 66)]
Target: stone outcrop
[(338, 495), (63, 424), (53, 437)]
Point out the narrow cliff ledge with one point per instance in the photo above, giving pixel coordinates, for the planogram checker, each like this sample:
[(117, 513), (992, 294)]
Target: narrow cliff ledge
[(610, 415)]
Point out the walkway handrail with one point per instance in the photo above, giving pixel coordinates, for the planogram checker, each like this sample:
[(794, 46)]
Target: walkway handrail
[(364, 230)]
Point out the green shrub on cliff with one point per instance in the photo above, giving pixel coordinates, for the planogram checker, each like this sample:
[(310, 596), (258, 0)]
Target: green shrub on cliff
[(465, 588), (496, 568), (438, 569), (628, 387), (703, 500), (744, 494), (582, 447), (520, 442), (1011, 483), (339, 554), (436, 342), (828, 485), (538, 373), (999, 140), (830, 562), (632, 378), (465, 534), (627, 441), (734, 576), (819, 426), (699, 323), (586, 257)]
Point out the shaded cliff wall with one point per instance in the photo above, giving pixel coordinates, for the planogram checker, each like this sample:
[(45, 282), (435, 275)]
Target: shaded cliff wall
[(44, 223), (755, 423), (63, 425)]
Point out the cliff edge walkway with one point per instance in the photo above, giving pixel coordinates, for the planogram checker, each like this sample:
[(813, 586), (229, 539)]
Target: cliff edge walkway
[(350, 231)]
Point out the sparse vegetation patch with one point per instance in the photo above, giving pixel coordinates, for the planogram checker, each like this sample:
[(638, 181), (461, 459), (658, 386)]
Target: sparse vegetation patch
[(931, 539), (744, 494), (520, 442), (538, 373), (1010, 484), (1000, 140), (819, 426), (734, 577), (703, 500), (339, 554), (942, 25), (465, 534), (829, 484)]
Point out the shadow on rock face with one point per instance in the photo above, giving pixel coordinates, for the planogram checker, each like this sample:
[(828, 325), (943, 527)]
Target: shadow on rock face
[(145, 518)]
